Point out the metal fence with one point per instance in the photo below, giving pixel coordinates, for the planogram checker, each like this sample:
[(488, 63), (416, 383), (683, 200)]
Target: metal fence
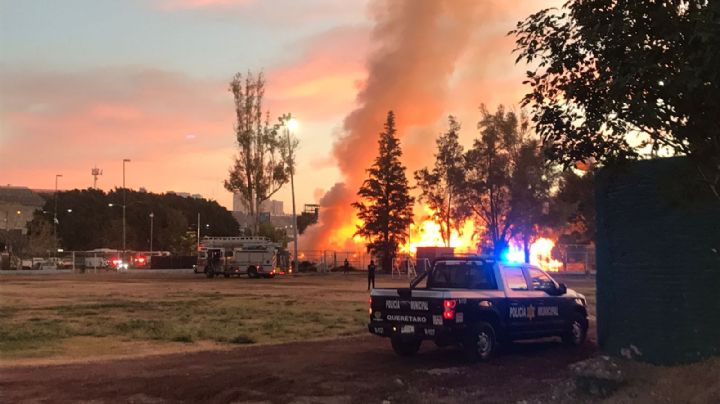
[(576, 258), (330, 260)]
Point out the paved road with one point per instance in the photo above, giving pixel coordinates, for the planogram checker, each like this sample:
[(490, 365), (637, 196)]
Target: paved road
[(353, 370)]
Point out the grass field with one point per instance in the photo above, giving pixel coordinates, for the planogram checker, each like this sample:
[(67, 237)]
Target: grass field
[(70, 317)]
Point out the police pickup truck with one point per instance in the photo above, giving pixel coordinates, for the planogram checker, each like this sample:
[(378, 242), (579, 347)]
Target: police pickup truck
[(477, 303)]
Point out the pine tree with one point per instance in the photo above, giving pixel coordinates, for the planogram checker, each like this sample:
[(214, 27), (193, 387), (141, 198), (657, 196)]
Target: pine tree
[(439, 186), (386, 205)]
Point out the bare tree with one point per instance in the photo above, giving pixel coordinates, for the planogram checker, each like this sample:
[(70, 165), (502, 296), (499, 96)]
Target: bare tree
[(262, 166)]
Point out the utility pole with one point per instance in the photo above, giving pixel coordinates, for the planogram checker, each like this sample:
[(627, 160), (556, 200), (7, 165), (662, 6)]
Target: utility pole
[(124, 206), (55, 219), (152, 216), (290, 124), (198, 232)]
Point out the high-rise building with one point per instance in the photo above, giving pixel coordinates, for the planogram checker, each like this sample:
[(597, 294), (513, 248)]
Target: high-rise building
[(273, 207)]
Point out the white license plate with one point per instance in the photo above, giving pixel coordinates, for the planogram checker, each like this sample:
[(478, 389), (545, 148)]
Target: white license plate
[(407, 329)]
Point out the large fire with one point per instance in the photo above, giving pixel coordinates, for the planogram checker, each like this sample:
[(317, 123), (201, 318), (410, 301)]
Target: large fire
[(427, 234), (540, 254)]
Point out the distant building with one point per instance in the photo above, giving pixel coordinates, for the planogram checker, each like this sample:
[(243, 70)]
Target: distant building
[(17, 206), (186, 195), (273, 207)]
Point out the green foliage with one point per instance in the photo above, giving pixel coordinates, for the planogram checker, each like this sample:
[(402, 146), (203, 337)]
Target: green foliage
[(93, 223), (385, 207), (40, 236), (488, 172), (530, 198), (606, 72), (573, 207), (507, 182), (276, 235), (440, 185)]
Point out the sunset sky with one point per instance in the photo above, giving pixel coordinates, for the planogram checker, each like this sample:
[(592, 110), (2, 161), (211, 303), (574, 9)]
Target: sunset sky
[(90, 82)]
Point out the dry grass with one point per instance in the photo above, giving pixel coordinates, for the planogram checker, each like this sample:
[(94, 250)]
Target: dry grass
[(82, 316), (71, 317)]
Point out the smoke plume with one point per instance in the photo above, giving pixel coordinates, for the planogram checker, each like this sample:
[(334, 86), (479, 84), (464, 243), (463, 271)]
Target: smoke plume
[(416, 45)]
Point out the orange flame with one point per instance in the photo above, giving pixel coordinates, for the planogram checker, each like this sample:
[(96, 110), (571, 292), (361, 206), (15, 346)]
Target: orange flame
[(540, 254), (427, 234)]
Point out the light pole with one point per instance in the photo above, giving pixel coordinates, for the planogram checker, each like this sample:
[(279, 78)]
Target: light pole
[(152, 215), (55, 219), (290, 125), (124, 204)]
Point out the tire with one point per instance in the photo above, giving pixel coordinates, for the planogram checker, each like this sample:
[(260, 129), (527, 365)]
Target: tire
[(226, 274), (480, 343), (252, 272), (405, 347), (210, 272), (577, 331)]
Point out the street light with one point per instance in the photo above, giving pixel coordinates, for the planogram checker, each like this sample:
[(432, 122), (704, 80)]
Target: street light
[(152, 216), (124, 204), (55, 219)]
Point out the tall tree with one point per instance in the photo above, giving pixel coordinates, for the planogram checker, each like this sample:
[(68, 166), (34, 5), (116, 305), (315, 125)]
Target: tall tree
[(439, 186), (573, 206), (488, 172), (260, 168), (603, 72), (530, 184), (386, 205)]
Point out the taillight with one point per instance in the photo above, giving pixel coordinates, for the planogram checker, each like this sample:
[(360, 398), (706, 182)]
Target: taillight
[(370, 306), (449, 306)]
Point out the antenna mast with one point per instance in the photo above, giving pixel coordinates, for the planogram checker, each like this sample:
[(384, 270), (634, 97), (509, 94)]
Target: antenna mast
[(96, 172)]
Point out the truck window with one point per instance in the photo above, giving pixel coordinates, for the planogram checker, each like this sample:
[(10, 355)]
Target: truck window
[(462, 275), (514, 278), (540, 280)]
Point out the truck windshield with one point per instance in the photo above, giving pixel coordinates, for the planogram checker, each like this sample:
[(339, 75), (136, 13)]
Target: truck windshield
[(462, 275)]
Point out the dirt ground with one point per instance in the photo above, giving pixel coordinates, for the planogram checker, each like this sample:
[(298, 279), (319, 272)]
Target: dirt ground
[(314, 361), (356, 367)]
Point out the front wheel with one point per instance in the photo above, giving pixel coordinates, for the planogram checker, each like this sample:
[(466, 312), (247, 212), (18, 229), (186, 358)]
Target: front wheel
[(577, 332), (480, 343), (405, 347), (252, 272)]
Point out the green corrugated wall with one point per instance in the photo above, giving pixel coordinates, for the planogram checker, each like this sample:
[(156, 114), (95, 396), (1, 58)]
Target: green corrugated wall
[(658, 262)]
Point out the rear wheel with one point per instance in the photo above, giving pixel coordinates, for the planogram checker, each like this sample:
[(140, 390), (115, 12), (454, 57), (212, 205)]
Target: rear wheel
[(252, 272), (405, 347), (577, 331), (480, 343), (226, 274), (210, 272)]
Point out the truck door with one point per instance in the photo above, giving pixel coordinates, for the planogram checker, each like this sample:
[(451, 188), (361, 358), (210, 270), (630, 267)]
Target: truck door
[(520, 310), (549, 312)]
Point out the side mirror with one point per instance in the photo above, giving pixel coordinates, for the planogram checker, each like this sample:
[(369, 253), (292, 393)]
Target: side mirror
[(562, 289)]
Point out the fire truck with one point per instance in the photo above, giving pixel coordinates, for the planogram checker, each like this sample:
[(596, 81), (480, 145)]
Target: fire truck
[(255, 257)]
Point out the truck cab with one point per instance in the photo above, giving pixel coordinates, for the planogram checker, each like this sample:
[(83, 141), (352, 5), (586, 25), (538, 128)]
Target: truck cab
[(477, 303)]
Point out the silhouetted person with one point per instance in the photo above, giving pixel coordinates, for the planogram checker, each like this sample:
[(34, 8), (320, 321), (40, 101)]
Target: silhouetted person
[(346, 267), (371, 274)]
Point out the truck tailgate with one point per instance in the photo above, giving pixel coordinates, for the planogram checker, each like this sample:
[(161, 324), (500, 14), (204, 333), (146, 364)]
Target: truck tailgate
[(389, 307)]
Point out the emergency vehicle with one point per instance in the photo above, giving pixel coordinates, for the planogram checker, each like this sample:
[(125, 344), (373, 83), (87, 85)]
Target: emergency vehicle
[(252, 256), (477, 303)]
